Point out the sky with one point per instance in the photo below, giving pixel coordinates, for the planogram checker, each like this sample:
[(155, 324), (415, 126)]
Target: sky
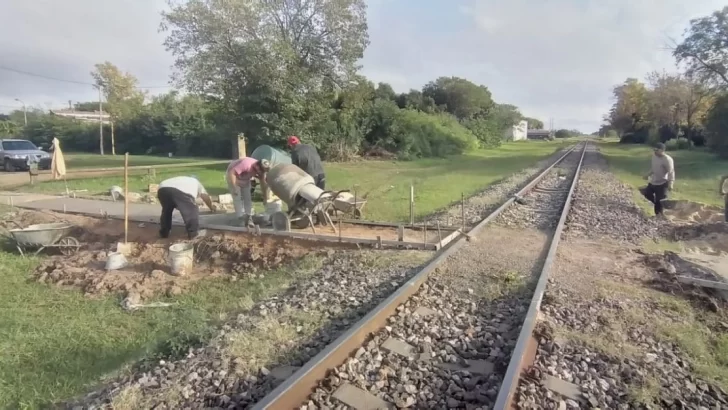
[(552, 58)]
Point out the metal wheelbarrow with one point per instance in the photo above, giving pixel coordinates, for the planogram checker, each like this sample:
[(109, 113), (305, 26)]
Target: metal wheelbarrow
[(42, 236)]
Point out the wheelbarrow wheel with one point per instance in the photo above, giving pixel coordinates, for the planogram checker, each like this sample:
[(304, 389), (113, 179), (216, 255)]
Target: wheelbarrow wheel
[(68, 245), (358, 214)]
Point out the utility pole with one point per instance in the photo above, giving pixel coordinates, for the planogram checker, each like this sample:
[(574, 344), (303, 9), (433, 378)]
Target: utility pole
[(25, 112), (101, 125)]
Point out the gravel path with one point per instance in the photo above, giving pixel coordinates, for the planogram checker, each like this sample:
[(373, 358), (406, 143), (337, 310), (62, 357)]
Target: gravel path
[(448, 346), (480, 205), (615, 325)]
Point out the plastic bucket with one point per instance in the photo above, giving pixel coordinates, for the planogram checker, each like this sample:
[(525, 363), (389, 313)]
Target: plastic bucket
[(181, 258), (115, 261), (273, 207)]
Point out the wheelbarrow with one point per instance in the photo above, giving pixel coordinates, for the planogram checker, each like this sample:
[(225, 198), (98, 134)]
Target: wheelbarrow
[(348, 204), (42, 236)]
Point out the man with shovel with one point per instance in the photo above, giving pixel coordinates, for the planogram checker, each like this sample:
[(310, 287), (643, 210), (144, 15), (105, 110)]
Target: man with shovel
[(181, 193), (661, 178)]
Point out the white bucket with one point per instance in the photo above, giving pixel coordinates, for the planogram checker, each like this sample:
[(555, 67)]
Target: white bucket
[(273, 207), (181, 258), (115, 261)]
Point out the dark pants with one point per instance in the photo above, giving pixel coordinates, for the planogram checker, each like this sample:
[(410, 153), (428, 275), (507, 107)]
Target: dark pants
[(655, 194), (171, 199), (320, 181)]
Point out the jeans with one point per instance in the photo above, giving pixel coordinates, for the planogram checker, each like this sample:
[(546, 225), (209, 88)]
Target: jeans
[(171, 199), (655, 194)]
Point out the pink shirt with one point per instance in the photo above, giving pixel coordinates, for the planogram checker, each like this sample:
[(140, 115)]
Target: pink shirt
[(244, 168)]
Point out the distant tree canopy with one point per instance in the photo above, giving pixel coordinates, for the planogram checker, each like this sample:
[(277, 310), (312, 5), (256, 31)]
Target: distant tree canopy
[(270, 70)]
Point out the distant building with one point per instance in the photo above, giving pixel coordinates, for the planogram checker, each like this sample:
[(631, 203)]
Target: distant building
[(539, 134), (518, 131), (84, 116)]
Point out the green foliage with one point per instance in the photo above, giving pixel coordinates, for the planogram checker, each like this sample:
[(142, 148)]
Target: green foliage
[(678, 144), (716, 126), (487, 131), (9, 128), (534, 124), (459, 97), (704, 48), (417, 134)]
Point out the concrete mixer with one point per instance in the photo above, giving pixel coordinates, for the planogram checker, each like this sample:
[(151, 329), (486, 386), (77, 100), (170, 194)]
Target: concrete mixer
[(305, 200)]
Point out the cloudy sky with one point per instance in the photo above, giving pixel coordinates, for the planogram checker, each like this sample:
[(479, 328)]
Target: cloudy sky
[(552, 58)]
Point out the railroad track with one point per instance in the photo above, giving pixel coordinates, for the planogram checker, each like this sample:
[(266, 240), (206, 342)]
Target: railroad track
[(458, 333)]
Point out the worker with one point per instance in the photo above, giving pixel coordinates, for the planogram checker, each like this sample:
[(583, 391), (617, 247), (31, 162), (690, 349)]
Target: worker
[(274, 157), (307, 158), (724, 193), (238, 176), (181, 193), (661, 178)]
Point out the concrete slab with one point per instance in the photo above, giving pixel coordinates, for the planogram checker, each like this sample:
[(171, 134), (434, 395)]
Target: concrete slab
[(360, 399), (399, 347), (564, 388)]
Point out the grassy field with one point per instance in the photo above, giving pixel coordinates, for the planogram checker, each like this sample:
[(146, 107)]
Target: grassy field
[(697, 172), (76, 161), (385, 184), (56, 342)]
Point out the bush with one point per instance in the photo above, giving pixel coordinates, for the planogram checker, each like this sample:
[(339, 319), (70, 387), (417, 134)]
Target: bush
[(677, 144), (486, 131), (416, 134), (716, 126)]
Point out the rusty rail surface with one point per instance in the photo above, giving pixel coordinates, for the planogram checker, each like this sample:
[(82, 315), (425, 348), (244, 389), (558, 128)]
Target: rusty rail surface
[(297, 388), (524, 354)]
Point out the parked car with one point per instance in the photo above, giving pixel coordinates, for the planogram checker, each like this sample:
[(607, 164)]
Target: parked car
[(19, 154)]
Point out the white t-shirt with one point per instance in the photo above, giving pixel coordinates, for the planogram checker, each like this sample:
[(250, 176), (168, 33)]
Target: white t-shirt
[(188, 185)]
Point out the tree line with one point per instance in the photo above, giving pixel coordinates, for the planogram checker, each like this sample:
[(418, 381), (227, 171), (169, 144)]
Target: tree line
[(269, 69), (684, 109)]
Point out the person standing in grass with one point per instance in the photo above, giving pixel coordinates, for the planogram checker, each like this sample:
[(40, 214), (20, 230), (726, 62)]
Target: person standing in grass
[(239, 174), (307, 158), (724, 192), (661, 178), (181, 193)]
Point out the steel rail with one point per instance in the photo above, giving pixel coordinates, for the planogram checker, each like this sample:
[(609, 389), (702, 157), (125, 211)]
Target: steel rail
[(299, 386), (526, 344)]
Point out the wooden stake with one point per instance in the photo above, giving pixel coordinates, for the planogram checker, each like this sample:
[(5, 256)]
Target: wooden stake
[(339, 229), (424, 229), (439, 233), (126, 197), (412, 205), (400, 233), (462, 208)]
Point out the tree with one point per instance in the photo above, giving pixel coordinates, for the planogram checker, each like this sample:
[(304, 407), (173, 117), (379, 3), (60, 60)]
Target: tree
[(629, 106), (704, 48), (460, 97), (123, 99), (534, 124), (562, 133), (716, 126), (268, 64), (385, 92)]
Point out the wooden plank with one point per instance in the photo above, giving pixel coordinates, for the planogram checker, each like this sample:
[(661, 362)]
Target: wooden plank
[(703, 283)]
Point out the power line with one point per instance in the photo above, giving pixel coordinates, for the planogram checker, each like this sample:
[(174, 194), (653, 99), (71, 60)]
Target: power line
[(14, 70)]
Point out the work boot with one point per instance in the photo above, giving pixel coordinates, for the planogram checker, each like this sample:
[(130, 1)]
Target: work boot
[(163, 235)]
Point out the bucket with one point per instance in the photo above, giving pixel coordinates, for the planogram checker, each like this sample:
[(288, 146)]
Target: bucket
[(181, 258), (273, 207), (116, 261)]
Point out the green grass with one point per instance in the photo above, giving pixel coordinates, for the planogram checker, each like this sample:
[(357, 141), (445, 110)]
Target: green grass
[(386, 184), (84, 160), (54, 343), (697, 172)]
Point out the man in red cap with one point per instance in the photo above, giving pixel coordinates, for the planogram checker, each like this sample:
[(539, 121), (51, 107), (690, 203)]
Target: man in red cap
[(307, 158)]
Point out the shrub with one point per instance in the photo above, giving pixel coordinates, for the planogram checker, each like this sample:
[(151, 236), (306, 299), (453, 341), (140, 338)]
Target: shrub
[(676, 144), (486, 131), (416, 134)]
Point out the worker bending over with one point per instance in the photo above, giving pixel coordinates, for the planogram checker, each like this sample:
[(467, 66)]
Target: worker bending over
[(661, 178), (181, 193), (238, 176), (307, 158)]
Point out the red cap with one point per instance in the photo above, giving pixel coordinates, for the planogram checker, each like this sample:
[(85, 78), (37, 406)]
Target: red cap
[(293, 140)]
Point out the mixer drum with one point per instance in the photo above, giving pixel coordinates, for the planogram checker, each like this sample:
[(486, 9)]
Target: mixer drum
[(286, 181)]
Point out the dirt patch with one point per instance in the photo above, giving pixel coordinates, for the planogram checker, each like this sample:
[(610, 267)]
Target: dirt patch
[(217, 255), (684, 211)]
